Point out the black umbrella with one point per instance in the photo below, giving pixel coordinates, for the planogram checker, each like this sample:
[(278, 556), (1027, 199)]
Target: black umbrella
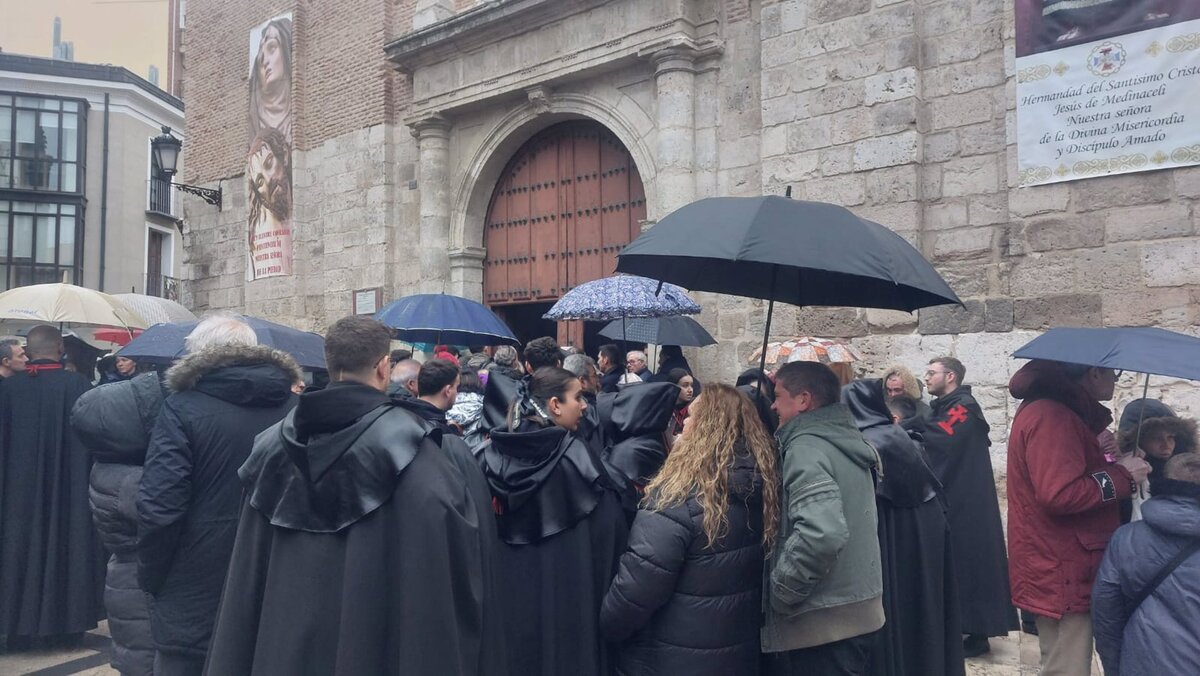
[(682, 331), (792, 251), (165, 342)]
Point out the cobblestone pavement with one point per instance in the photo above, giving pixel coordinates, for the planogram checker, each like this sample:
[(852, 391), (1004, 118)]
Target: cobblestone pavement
[(1013, 655), (90, 658)]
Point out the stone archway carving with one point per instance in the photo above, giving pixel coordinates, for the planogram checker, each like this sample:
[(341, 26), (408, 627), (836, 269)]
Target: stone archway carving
[(473, 192)]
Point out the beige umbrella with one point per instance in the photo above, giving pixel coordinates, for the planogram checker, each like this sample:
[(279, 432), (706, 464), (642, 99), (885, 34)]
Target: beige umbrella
[(66, 305), (156, 310)]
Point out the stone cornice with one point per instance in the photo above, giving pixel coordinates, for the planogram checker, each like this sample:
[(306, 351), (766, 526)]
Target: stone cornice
[(429, 126), (478, 26)]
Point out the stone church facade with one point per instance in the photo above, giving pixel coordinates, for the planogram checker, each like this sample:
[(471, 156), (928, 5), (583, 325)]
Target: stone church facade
[(411, 114)]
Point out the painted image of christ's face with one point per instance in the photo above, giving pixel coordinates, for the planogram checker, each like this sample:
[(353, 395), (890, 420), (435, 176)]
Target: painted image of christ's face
[(272, 65), (268, 175)]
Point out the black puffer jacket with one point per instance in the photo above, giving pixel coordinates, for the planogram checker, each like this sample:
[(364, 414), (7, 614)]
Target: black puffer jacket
[(681, 607), (189, 496), (114, 422)]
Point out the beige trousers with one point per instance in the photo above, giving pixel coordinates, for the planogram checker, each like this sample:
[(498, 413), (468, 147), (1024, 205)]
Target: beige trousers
[(1066, 645)]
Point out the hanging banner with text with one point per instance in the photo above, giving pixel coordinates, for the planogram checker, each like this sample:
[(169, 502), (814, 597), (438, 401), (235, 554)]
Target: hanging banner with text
[(1106, 87)]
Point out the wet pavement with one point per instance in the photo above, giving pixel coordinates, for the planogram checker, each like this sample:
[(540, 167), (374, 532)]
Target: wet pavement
[(1013, 655)]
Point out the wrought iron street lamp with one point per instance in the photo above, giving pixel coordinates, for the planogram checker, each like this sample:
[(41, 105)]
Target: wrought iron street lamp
[(166, 153)]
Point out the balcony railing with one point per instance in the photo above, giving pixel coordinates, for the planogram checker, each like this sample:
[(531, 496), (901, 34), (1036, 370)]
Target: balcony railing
[(162, 286), (160, 197)]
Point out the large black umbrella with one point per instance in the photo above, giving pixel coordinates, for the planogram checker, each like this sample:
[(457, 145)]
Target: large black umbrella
[(682, 331), (780, 249), (791, 251)]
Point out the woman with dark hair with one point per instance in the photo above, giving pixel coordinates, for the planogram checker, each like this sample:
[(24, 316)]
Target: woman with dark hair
[(688, 593), (923, 632), (561, 525), (685, 382)]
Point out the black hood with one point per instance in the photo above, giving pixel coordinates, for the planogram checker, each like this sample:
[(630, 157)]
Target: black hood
[(342, 468), (244, 375), (906, 479), (321, 411), (544, 481), (498, 396), (1142, 409), (423, 409), (638, 410)]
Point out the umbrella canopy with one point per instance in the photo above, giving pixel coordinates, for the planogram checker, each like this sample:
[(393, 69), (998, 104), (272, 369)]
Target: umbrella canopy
[(1145, 350), (792, 251), (622, 296), (682, 331), (156, 310), (165, 342), (440, 318), (66, 305), (807, 348)]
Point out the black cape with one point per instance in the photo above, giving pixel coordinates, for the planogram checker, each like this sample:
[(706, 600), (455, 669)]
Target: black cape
[(359, 551), (51, 560), (922, 635), (956, 439), (562, 530)]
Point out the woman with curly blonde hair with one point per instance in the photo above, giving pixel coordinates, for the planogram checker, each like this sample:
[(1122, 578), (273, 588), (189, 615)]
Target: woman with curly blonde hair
[(688, 593)]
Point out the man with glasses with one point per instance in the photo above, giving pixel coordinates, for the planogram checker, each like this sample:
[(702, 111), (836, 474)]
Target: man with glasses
[(635, 363), (956, 440), (1063, 503)]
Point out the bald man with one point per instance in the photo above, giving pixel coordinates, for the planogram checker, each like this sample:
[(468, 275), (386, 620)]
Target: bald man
[(51, 563), (404, 378)]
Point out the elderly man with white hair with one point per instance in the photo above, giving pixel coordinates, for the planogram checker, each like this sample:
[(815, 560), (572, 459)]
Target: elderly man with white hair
[(226, 391)]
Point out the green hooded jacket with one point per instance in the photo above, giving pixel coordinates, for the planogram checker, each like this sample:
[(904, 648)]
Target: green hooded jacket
[(824, 581)]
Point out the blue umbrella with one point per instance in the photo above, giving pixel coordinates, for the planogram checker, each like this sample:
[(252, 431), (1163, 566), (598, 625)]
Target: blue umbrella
[(622, 296), (439, 318), (682, 331), (1144, 349), (165, 342)]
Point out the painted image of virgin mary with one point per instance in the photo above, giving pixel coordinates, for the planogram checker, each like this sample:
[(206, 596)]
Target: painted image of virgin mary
[(271, 80)]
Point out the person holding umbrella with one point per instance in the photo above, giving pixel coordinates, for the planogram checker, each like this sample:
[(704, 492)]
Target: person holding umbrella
[(1063, 503)]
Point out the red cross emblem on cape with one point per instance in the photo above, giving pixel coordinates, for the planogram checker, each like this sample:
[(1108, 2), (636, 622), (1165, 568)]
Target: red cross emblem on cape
[(955, 416)]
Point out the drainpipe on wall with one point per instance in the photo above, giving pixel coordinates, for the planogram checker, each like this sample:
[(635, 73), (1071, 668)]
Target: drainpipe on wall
[(104, 196)]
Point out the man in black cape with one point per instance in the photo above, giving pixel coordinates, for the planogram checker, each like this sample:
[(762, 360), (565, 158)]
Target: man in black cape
[(956, 439), (922, 635), (51, 562), (360, 548)]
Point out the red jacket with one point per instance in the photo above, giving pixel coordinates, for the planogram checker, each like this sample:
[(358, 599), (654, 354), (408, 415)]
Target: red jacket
[(1063, 495)]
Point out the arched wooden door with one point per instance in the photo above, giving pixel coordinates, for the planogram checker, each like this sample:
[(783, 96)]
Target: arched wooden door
[(567, 203)]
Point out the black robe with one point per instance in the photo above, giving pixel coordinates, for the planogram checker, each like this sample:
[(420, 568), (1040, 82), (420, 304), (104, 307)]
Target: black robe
[(956, 439), (51, 560), (359, 551), (562, 530), (922, 635)]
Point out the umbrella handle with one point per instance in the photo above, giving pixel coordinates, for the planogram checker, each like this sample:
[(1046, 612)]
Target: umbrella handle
[(762, 359)]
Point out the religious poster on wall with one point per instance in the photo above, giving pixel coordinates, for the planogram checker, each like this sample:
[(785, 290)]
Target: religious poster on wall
[(269, 157), (1106, 87)]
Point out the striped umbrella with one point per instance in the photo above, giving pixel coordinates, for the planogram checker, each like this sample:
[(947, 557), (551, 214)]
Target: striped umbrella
[(807, 348)]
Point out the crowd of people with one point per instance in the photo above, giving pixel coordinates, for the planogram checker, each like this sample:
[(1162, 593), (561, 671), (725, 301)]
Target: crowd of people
[(538, 511)]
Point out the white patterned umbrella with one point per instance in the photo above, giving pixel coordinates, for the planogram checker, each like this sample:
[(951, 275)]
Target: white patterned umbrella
[(622, 296), (156, 310)]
